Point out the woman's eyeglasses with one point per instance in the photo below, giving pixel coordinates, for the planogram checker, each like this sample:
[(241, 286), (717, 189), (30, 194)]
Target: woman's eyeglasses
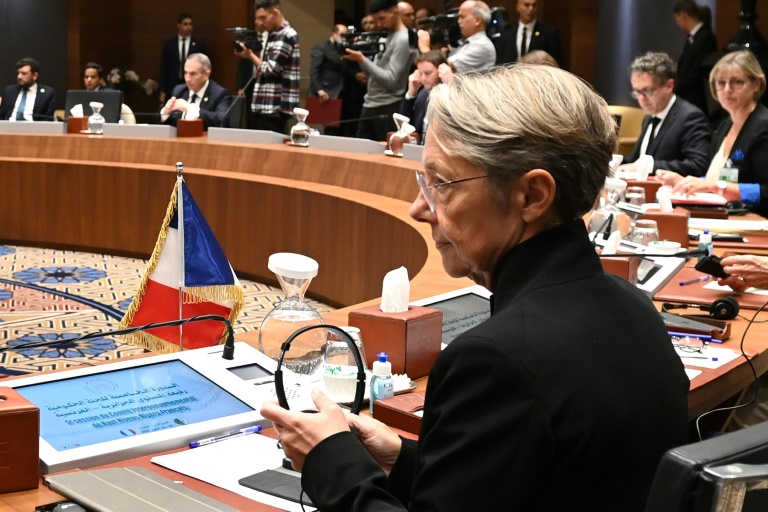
[(736, 84), (426, 190), (689, 344)]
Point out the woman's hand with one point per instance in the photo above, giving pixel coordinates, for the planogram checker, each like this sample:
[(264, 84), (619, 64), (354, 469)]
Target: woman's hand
[(746, 271), (668, 178), (691, 184), (300, 432), (380, 441)]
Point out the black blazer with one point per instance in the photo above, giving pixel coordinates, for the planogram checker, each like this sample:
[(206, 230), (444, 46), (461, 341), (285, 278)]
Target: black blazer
[(326, 70), (753, 143), (691, 83), (213, 106), (536, 408), (44, 102), (169, 65), (682, 142), (544, 38)]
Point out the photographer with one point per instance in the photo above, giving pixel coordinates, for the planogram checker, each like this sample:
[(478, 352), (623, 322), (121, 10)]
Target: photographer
[(276, 88), (387, 74)]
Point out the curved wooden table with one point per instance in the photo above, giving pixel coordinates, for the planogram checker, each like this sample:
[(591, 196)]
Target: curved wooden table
[(348, 211)]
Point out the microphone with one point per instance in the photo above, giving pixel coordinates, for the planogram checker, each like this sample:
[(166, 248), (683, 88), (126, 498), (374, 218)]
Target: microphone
[(229, 345)]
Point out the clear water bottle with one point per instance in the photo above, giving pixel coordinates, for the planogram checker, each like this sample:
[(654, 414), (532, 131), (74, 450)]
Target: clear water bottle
[(382, 384), (294, 273), (402, 136), (96, 120), (301, 130), (705, 244)]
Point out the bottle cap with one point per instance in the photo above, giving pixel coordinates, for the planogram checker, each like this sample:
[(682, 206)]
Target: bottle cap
[(383, 356), (382, 367)]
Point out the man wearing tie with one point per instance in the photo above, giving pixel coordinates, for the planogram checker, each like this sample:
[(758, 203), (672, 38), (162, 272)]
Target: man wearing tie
[(212, 99), (675, 133), (700, 43), (175, 53), (28, 100), (529, 34)]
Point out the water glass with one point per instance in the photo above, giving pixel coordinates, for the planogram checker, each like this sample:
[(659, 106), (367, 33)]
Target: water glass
[(645, 232), (635, 195)]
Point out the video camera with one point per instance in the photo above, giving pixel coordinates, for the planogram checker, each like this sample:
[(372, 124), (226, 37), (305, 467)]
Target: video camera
[(444, 28), (249, 38), (366, 43)]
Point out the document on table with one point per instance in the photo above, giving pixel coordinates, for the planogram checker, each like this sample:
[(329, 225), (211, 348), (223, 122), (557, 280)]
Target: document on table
[(224, 463), (691, 373), (712, 357), (754, 291)]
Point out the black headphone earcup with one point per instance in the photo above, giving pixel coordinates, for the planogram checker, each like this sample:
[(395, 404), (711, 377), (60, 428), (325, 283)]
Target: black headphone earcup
[(724, 309)]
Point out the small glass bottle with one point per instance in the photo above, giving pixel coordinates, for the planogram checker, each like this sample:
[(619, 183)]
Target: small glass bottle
[(301, 130), (608, 217), (294, 273), (382, 384), (96, 120), (705, 244)]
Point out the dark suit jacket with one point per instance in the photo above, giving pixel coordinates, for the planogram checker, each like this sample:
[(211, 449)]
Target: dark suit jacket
[(326, 70), (44, 102), (416, 110), (544, 38), (691, 74), (753, 143), (213, 106), (169, 65), (535, 409), (682, 142)]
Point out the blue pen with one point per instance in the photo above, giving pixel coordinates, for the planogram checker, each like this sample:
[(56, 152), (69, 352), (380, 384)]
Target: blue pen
[(236, 433)]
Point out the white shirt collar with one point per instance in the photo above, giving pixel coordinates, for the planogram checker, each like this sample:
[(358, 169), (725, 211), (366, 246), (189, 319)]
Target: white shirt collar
[(528, 26), (201, 93), (695, 29), (663, 114)]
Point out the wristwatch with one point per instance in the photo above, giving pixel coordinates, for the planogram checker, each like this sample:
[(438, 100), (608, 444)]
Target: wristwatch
[(721, 186)]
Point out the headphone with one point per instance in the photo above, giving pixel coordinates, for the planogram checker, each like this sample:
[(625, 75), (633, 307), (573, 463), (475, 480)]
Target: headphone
[(723, 309), (285, 347)]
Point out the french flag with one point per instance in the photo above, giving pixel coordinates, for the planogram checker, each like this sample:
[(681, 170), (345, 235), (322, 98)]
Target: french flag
[(187, 275)]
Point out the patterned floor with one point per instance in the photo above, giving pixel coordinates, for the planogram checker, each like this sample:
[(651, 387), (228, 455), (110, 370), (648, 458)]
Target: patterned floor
[(48, 294)]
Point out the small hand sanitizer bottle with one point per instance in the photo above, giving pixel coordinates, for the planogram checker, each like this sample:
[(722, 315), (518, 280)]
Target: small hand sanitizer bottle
[(382, 384), (705, 244)]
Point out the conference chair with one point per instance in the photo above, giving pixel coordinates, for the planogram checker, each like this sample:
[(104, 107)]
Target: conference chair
[(126, 114), (728, 473), (630, 127)]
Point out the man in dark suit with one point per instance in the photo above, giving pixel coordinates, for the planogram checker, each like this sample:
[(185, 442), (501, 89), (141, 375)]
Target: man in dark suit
[(326, 68), (700, 43), (529, 34), (28, 100), (175, 52), (675, 133), (211, 99)]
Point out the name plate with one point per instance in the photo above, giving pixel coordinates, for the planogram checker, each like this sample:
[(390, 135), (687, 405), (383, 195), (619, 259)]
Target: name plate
[(147, 131), (412, 152), (249, 136), (41, 127), (347, 144)]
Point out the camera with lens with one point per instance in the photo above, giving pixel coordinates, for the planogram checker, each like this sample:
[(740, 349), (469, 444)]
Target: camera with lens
[(247, 37), (367, 43), (444, 29)]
